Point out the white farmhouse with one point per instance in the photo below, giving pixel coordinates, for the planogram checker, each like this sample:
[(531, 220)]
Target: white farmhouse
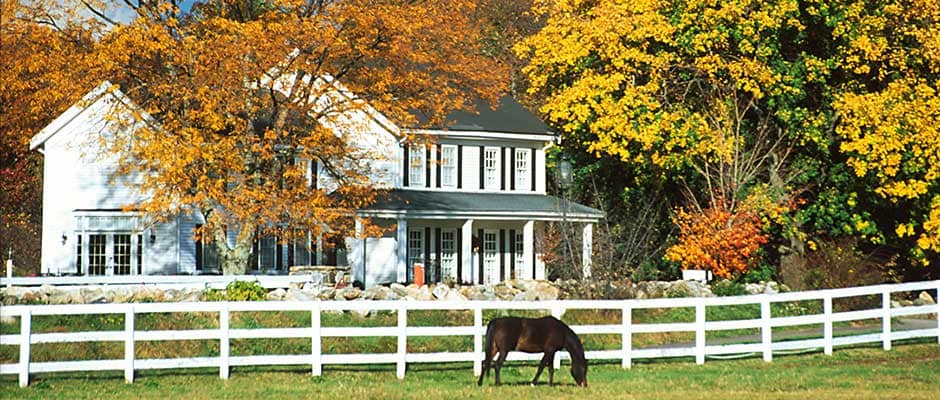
[(465, 206)]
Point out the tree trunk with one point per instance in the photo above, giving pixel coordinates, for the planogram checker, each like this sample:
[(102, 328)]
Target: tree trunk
[(234, 259)]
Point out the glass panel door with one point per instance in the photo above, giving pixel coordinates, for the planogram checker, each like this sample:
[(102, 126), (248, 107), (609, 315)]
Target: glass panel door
[(415, 251), (122, 254), (520, 256), (448, 254), (490, 258), (97, 255)]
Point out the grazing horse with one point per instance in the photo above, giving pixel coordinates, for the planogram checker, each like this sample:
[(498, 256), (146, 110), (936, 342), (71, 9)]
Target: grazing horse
[(542, 335)]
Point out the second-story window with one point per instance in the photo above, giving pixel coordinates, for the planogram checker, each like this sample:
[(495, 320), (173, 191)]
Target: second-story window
[(522, 169), (448, 166), (491, 168), (416, 168)]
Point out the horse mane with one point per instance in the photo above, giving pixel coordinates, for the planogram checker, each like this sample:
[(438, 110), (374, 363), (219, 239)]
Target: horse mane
[(574, 347)]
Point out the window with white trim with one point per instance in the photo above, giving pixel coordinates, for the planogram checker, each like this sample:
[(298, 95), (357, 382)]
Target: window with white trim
[(448, 166), (416, 166), (491, 168), (522, 169)]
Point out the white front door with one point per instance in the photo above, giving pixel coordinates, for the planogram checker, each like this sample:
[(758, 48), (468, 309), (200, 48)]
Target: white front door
[(490, 257), (449, 254)]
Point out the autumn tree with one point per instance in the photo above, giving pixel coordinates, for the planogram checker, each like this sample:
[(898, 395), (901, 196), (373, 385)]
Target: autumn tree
[(47, 59), (243, 94), (799, 91), (888, 121), (719, 240)]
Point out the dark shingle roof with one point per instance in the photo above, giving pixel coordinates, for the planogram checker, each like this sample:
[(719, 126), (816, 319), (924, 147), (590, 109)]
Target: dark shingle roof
[(417, 201), (508, 117)]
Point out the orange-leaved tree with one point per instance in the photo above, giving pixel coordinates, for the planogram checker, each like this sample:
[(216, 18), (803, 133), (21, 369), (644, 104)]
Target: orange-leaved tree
[(47, 58), (718, 239), (244, 94)]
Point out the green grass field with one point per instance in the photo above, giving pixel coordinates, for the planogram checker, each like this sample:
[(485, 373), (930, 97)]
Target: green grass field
[(909, 371)]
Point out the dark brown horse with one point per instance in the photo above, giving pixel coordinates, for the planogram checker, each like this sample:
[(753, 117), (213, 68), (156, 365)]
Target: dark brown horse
[(542, 335)]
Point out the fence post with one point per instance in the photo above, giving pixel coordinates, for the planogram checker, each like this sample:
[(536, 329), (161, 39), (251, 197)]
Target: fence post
[(626, 359), (827, 325), (557, 312), (402, 339), (25, 326), (477, 339), (766, 330), (937, 305), (223, 341), (316, 345), (129, 343), (886, 318), (700, 333)]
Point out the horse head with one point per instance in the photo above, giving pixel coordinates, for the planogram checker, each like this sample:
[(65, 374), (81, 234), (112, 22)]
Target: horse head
[(579, 373)]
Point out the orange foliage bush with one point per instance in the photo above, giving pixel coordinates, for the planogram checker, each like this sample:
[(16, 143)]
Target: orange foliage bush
[(717, 239)]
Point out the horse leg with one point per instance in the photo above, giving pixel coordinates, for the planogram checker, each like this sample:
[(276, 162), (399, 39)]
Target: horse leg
[(545, 361), (487, 359), (549, 360), (499, 364)]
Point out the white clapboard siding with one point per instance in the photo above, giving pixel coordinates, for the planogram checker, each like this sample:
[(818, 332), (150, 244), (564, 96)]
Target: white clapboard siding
[(316, 359)]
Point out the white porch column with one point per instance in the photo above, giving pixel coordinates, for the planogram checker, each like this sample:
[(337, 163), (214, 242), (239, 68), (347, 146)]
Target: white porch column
[(587, 247), (319, 250), (466, 252), (528, 248), (402, 250)]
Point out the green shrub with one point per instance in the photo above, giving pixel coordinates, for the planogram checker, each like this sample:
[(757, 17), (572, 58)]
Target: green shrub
[(678, 290), (238, 291), (728, 288)]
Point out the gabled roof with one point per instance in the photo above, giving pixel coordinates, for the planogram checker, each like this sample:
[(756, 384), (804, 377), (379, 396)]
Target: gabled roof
[(508, 117), (76, 109), (429, 203)]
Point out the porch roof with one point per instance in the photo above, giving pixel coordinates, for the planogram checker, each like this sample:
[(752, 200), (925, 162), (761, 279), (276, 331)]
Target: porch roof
[(434, 204)]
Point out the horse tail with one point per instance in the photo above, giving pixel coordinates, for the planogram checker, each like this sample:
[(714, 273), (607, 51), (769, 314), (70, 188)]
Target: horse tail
[(487, 352)]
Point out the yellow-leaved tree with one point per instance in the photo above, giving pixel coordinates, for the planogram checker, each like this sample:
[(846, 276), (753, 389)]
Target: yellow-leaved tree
[(889, 121)]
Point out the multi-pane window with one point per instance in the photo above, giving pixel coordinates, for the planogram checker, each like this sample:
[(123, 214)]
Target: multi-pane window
[(266, 256), (448, 254), (490, 258), (522, 169), (415, 251), (416, 166), (491, 168), (449, 166), (520, 256)]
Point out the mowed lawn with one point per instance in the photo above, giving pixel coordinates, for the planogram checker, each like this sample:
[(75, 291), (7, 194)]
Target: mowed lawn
[(909, 371)]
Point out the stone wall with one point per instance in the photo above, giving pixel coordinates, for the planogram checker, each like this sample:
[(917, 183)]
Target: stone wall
[(514, 290)]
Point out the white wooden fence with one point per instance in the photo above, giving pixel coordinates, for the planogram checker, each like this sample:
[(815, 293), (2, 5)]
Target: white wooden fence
[(625, 327), (163, 281)]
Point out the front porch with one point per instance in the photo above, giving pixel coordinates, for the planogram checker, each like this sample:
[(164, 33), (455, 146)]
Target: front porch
[(467, 238)]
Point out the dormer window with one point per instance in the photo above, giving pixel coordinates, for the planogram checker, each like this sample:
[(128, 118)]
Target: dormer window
[(416, 166), (449, 166), (491, 168)]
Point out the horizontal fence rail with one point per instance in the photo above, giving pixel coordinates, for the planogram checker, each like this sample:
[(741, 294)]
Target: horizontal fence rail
[(625, 327), (163, 281)]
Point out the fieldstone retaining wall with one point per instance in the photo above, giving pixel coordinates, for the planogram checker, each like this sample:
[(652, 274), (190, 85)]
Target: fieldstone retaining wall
[(513, 290)]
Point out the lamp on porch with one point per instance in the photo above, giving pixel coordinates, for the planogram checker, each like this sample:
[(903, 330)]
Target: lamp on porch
[(564, 182)]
